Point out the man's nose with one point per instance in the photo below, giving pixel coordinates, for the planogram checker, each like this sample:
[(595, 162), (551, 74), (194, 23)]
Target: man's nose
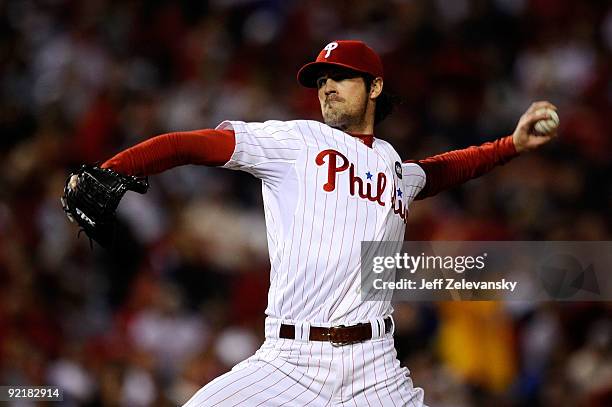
[(329, 86)]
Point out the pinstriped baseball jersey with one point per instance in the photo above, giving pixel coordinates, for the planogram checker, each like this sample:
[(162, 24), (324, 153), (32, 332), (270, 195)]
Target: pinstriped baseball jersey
[(324, 192)]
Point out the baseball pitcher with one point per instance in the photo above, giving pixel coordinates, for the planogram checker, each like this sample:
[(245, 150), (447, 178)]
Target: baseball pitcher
[(327, 186)]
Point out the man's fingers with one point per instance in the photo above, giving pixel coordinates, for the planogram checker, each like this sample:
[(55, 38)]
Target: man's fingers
[(529, 119), (74, 180), (526, 137), (541, 104), (538, 141)]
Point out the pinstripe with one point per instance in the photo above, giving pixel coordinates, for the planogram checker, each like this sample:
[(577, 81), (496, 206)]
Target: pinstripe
[(279, 139), (381, 304), (384, 158), (399, 226), (339, 256), (375, 378), (417, 175), (286, 375), (400, 374), (308, 252), (250, 165), (311, 226), (274, 274), (267, 157), (219, 379), (266, 148), (343, 292), (389, 155), (275, 229), (250, 374), (342, 380), (274, 132), (294, 222), (376, 211), (308, 370), (301, 229), (276, 138), (353, 374), (318, 291), (400, 378), (257, 380), (261, 379), (413, 192), (312, 231), (412, 185), (386, 373), (326, 377), (363, 238), (333, 349), (365, 393), (279, 311), (357, 298), (234, 381), (394, 232)]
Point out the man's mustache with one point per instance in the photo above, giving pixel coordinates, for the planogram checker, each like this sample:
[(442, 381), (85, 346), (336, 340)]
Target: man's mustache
[(334, 98)]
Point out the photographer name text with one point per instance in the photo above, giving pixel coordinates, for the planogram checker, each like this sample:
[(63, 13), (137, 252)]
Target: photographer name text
[(444, 284)]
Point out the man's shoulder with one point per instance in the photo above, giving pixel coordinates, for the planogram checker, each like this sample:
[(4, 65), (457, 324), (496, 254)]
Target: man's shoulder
[(303, 126), (384, 146), (310, 127), (384, 143), (409, 168)]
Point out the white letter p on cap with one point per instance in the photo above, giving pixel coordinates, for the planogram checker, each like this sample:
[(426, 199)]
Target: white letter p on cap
[(330, 47)]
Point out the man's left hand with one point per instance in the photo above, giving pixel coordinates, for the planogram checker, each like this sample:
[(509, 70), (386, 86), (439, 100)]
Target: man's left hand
[(525, 136)]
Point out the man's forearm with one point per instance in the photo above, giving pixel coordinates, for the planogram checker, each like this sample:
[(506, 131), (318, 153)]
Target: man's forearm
[(160, 153), (450, 169)]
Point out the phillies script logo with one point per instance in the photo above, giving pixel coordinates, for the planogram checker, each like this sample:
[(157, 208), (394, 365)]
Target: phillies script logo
[(338, 163), (354, 180)]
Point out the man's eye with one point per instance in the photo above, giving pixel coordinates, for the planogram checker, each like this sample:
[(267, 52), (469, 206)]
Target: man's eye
[(321, 82), (340, 76)]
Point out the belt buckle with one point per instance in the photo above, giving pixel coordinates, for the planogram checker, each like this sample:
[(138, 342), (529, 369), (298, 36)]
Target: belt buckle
[(336, 337)]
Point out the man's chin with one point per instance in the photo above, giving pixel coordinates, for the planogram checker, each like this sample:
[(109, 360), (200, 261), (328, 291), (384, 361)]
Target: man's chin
[(335, 124)]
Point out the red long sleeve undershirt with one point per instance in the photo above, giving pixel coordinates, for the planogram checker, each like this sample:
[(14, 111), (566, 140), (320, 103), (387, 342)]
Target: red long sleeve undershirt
[(215, 148), (160, 153), (450, 169)]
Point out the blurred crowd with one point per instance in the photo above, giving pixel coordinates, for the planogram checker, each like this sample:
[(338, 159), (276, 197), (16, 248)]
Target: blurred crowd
[(180, 298)]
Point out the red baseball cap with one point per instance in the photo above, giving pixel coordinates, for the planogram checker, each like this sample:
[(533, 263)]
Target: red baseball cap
[(355, 55)]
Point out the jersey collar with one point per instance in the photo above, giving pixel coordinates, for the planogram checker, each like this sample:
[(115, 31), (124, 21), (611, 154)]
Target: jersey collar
[(366, 139)]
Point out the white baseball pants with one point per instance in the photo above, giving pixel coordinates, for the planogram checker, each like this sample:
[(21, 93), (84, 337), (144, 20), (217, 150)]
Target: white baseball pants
[(299, 372)]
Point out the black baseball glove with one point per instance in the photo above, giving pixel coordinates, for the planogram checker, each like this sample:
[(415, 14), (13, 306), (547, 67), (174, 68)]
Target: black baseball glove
[(94, 199)]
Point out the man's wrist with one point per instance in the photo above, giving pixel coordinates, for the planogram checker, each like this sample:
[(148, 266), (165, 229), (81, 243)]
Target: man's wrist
[(518, 147)]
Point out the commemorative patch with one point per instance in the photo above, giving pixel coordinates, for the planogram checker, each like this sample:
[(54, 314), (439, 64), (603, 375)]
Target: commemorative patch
[(398, 169)]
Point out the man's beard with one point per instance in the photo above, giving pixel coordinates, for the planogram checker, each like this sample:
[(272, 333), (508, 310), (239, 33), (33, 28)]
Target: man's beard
[(343, 120)]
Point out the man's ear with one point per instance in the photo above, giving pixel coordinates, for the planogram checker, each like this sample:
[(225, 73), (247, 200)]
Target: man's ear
[(376, 87)]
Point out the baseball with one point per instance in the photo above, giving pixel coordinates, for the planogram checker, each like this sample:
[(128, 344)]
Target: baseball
[(548, 125)]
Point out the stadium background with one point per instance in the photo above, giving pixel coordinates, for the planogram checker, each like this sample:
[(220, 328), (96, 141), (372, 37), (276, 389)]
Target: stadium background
[(182, 298)]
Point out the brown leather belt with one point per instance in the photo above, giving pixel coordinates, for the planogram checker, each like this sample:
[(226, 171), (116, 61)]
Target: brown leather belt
[(337, 335)]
